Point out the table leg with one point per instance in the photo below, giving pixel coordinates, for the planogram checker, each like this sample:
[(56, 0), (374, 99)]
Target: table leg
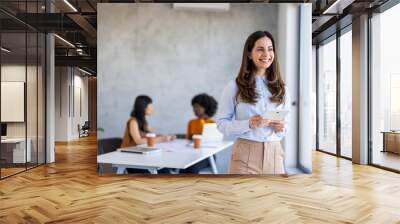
[(153, 170), (213, 165), (384, 143), (121, 170), (174, 171)]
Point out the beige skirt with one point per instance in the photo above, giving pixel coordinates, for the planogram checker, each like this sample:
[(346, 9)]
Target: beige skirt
[(251, 157)]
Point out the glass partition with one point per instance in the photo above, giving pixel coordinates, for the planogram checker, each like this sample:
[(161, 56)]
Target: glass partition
[(22, 90)]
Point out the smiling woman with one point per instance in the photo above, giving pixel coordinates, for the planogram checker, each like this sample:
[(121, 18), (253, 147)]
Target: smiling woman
[(258, 88)]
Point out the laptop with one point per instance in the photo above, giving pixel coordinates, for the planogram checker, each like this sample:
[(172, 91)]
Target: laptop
[(211, 133), (140, 149), (210, 136)]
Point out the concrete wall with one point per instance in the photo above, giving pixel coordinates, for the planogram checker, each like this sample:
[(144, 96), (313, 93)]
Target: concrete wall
[(170, 57)]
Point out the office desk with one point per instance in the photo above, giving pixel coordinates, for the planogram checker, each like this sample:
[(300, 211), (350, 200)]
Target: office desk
[(391, 141), (18, 151), (176, 154)]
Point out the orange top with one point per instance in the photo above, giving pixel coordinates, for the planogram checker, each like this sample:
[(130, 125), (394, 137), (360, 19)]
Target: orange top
[(127, 140), (195, 126)]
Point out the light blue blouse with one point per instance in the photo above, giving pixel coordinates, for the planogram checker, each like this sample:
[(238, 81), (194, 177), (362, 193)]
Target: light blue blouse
[(233, 116)]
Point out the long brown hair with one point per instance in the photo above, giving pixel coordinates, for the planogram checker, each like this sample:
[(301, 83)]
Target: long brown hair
[(246, 81), (138, 111)]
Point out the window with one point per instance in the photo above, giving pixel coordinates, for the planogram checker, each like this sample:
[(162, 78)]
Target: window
[(385, 89), (346, 94), (327, 97)]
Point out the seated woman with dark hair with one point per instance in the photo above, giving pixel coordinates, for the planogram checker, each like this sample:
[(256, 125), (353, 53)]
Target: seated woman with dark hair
[(204, 107), (137, 128)]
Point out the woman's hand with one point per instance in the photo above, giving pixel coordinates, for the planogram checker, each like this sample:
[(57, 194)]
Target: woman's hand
[(266, 123), (167, 138), (172, 137), (256, 122), (278, 126)]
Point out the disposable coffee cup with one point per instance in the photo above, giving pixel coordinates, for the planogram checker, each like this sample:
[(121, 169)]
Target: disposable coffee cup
[(151, 139), (196, 141)]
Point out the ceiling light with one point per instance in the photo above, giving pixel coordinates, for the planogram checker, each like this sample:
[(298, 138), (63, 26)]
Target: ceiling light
[(5, 50), (70, 5), (64, 40), (84, 71), (213, 7), (337, 7)]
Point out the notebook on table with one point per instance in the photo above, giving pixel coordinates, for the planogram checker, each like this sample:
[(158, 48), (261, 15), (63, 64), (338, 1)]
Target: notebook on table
[(140, 149)]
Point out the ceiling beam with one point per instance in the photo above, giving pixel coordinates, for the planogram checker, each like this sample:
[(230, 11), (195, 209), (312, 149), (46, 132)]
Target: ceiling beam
[(83, 61), (83, 23)]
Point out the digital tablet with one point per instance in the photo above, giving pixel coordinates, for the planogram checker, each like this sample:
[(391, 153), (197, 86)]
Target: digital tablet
[(277, 115), (140, 149)]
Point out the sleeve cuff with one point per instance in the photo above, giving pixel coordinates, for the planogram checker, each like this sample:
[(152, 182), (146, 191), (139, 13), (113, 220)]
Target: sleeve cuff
[(243, 126), (281, 134)]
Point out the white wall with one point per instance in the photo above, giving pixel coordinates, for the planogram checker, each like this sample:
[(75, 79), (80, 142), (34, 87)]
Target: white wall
[(33, 127), (68, 82), (61, 104), (12, 73)]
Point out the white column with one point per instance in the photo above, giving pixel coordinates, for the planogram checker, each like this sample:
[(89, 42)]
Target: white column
[(50, 92), (305, 88), (50, 100), (288, 51), (294, 51), (360, 90)]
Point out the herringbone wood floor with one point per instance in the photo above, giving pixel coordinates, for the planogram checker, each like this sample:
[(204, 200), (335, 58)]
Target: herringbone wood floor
[(70, 191)]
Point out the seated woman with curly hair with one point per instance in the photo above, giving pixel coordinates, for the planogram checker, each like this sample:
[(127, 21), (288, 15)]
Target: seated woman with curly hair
[(204, 107)]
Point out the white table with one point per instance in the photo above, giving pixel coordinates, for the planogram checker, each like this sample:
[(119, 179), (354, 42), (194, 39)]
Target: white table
[(19, 155), (177, 154)]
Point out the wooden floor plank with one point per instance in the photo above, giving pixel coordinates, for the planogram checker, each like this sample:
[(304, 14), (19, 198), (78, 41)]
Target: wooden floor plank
[(71, 191)]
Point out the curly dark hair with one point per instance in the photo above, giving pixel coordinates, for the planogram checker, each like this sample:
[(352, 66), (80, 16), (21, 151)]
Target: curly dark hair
[(245, 80), (207, 102)]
